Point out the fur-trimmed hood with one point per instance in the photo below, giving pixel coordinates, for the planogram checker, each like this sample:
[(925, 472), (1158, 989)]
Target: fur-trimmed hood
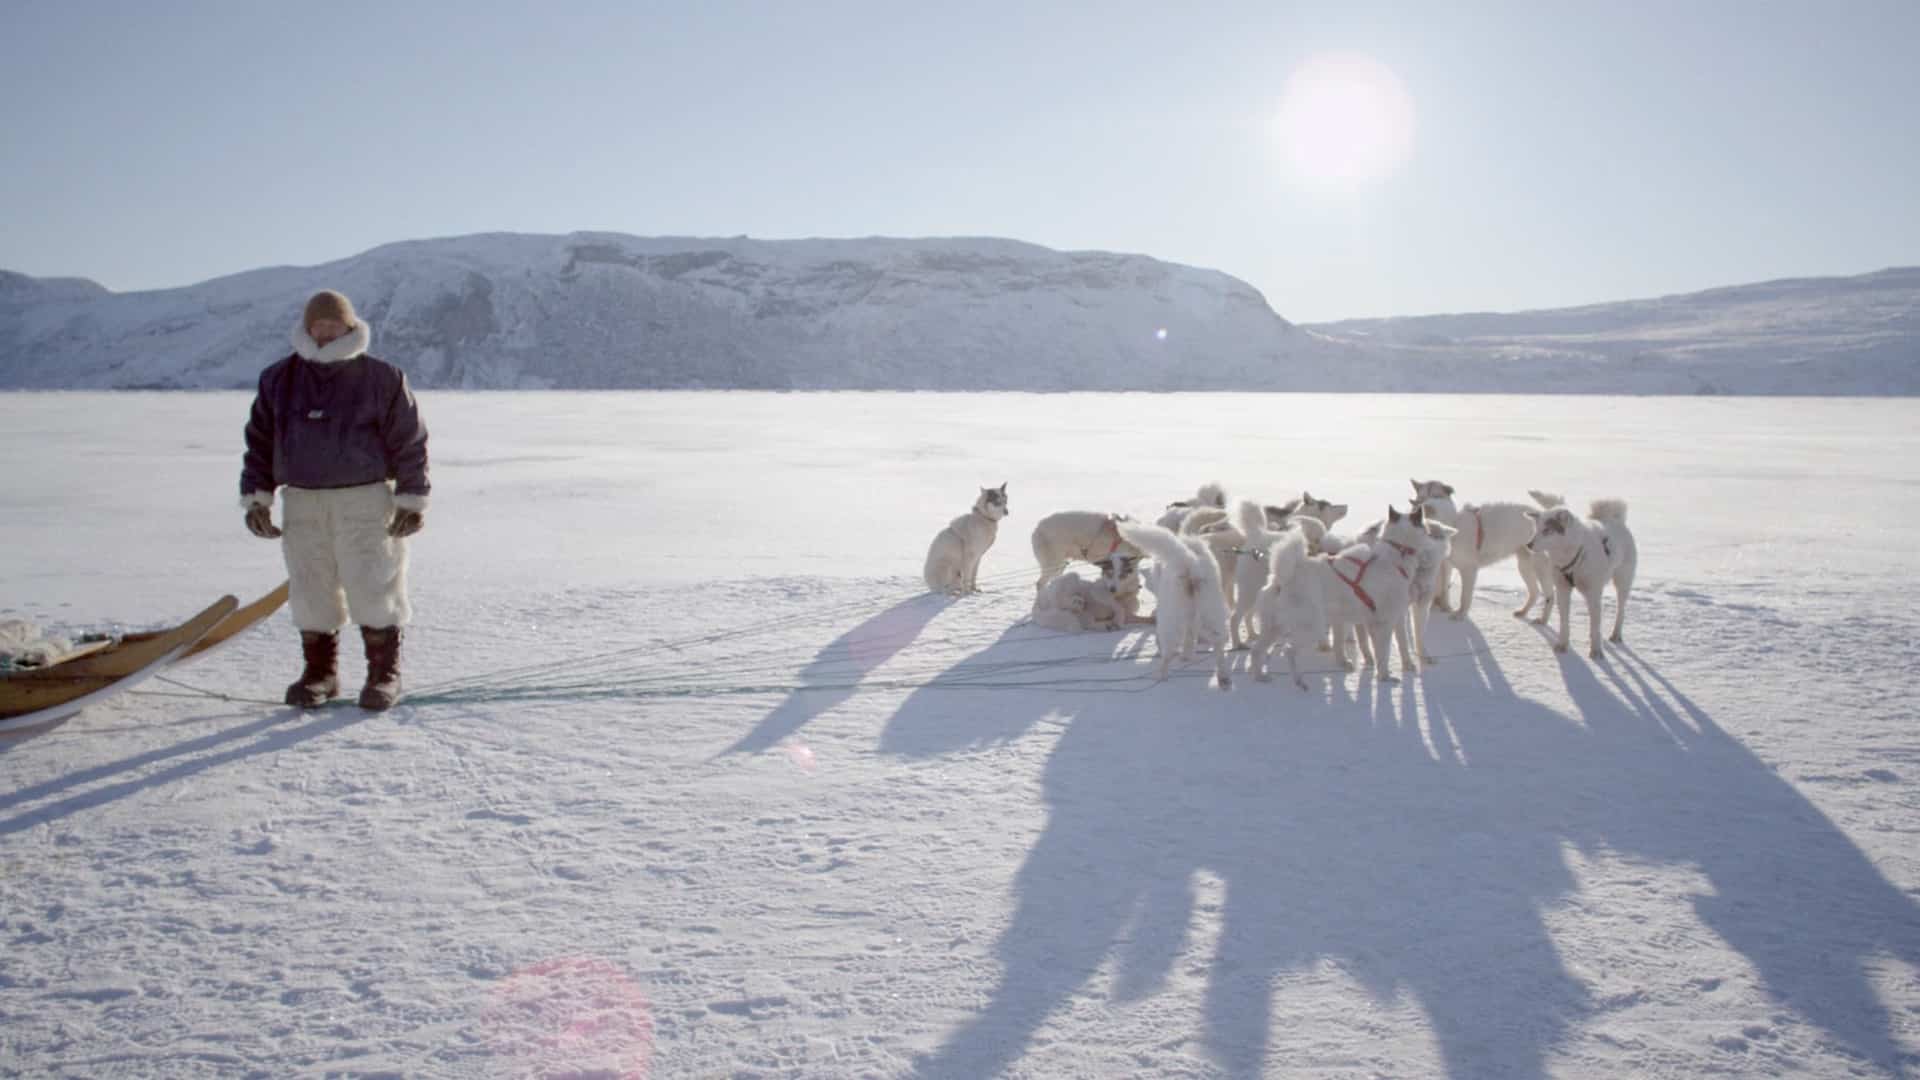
[(345, 347)]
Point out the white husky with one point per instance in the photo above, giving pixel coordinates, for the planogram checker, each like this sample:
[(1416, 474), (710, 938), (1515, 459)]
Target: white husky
[(1072, 603), (1188, 601), (953, 560), (1084, 535), (1366, 587), (1485, 534), (1429, 565), (1586, 555), (1540, 585), (1261, 527)]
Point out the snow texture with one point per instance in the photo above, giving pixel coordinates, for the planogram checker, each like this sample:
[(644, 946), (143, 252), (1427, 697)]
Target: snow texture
[(608, 311), (799, 819)]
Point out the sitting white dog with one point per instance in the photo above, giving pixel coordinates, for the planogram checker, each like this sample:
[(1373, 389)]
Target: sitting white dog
[(1188, 601), (953, 560), (1586, 556)]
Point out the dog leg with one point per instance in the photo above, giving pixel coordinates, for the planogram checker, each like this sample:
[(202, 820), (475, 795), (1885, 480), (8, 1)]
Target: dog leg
[(1468, 574), (1620, 591), (1293, 664), (1563, 597), (1382, 634), (1259, 649), (1403, 633), (1593, 618), (1440, 599), (1525, 562), (1421, 612)]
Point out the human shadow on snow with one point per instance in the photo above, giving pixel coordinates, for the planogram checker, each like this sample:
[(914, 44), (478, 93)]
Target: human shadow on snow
[(193, 758), (1410, 837)]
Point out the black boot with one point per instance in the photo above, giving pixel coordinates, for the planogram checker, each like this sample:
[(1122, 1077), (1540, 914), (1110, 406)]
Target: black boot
[(383, 668), (321, 679)]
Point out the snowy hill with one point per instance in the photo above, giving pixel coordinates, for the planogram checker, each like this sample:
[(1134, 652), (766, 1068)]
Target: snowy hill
[(607, 311), (1854, 335), (610, 311)]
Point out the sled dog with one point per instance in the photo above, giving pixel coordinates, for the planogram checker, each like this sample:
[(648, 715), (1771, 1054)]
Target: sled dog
[(953, 560), (1586, 556)]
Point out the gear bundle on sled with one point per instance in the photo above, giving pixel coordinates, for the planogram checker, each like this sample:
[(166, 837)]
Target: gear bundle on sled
[(94, 671)]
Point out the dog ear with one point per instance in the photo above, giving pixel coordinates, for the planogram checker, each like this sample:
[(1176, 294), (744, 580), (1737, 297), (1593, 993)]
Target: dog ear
[(1416, 485), (1416, 517), (1392, 514), (1446, 490)]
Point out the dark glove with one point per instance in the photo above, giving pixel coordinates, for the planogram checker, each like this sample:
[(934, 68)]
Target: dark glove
[(406, 523), (260, 522)]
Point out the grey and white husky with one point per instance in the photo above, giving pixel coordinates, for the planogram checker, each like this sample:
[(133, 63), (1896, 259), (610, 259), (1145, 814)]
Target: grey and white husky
[(953, 560), (1586, 556)]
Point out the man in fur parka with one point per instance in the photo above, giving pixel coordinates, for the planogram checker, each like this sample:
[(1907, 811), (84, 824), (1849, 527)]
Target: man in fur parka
[(339, 434)]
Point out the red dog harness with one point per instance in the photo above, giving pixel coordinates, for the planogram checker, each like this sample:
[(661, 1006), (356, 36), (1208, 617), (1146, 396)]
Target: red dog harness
[(1354, 582)]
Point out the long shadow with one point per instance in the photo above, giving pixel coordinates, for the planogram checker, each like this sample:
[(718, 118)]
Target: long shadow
[(845, 661), (281, 737), (1410, 837)]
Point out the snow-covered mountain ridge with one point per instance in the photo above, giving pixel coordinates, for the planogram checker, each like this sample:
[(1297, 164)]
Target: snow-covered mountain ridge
[(604, 311)]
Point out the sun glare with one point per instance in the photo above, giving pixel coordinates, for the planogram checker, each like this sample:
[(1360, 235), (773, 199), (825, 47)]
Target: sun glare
[(1345, 120)]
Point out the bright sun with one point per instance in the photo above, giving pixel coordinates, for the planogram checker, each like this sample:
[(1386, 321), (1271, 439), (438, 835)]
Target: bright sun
[(1345, 120)]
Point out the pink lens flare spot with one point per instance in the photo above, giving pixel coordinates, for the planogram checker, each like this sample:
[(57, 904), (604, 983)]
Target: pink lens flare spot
[(1160, 334), (802, 756), (570, 1016)]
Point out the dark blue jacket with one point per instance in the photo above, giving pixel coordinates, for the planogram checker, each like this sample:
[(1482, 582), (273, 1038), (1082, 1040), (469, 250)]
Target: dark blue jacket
[(334, 425)]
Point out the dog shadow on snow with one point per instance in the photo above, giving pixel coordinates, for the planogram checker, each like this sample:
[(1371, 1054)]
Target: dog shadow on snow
[(833, 674), (1411, 838)]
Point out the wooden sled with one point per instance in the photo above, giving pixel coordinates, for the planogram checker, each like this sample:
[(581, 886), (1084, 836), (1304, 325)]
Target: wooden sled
[(92, 675), (231, 626)]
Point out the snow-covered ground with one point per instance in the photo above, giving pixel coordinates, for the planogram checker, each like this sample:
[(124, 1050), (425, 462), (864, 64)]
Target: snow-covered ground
[(620, 836)]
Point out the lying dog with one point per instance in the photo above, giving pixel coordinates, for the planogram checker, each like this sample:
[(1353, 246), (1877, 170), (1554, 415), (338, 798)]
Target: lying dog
[(1188, 601), (953, 560), (1586, 556), (1085, 535), (1485, 534), (1120, 573), (1070, 602)]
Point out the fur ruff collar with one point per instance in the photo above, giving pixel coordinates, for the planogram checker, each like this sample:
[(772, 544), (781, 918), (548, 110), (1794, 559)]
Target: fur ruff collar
[(345, 347)]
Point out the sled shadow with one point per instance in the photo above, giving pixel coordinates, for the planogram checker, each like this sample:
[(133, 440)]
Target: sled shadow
[(1408, 841), (194, 759), (833, 675)]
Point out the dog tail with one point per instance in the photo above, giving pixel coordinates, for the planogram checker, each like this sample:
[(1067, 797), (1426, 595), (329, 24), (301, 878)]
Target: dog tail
[(1608, 510), (1285, 558), (1252, 518), (1547, 499), (1164, 547)]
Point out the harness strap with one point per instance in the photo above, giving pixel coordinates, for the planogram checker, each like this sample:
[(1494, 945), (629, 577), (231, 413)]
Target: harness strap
[(1479, 531), (1354, 583), (1567, 570)]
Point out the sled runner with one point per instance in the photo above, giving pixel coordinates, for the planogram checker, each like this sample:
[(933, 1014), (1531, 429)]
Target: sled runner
[(100, 670), (229, 627)]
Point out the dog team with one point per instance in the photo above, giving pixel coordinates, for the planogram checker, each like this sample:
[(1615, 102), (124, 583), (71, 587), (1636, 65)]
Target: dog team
[(1266, 577)]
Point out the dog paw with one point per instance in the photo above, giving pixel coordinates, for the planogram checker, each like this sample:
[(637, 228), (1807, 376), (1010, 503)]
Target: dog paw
[(1301, 683), (1559, 647), (1427, 661), (1596, 654), (1223, 684), (1616, 638), (1263, 677), (1389, 680), (1541, 621)]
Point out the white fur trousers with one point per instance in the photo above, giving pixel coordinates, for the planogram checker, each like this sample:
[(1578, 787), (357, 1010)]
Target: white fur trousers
[(340, 559)]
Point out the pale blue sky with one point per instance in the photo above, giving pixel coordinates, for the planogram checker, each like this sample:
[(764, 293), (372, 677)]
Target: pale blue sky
[(1564, 152)]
